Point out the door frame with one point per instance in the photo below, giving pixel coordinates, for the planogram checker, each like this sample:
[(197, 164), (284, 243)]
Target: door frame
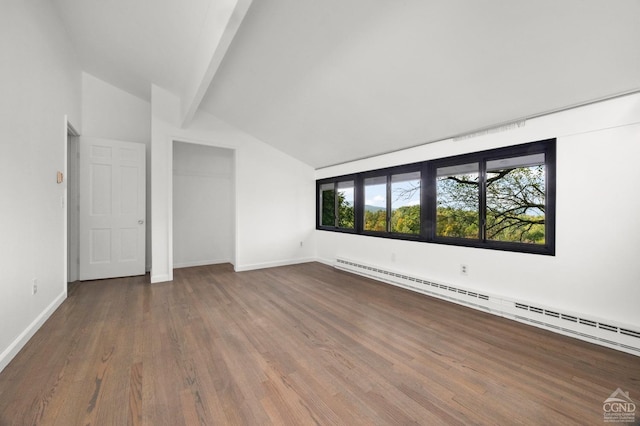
[(71, 217)]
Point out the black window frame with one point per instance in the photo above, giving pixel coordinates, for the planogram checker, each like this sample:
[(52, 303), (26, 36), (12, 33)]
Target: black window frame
[(336, 182), (428, 204), (388, 173)]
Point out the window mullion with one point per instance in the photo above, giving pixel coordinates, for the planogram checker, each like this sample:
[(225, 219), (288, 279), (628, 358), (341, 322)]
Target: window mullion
[(388, 203), (482, 202), (358, 199), (427, 202), (336, 205)]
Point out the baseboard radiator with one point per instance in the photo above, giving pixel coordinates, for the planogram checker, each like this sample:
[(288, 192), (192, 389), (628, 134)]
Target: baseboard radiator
[(607, 333)]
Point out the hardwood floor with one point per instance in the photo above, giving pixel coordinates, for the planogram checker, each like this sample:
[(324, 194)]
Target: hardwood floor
[(298, 345)]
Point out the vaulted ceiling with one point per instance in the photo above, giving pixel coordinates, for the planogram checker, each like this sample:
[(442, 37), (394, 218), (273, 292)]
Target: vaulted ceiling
[(331, 81)]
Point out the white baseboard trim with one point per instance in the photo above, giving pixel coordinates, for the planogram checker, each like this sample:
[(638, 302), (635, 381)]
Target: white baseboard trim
[(254, 266), (12, 350), (160, 278), (200, 263), (328, 262)]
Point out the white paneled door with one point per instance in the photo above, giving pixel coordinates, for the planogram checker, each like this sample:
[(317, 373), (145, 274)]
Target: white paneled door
[(112, 208)]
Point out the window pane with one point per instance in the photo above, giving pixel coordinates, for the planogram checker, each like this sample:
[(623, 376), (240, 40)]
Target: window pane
[(375, 204), (345, 205), (516, 199), (457, 198), (327, 205), (405, 203)]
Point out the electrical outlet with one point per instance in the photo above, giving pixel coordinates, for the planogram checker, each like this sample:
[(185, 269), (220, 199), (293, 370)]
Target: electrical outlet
[(34, 289), (464, 269)]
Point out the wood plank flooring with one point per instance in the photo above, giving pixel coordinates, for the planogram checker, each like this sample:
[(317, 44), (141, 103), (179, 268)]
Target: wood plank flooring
[(298, 345)]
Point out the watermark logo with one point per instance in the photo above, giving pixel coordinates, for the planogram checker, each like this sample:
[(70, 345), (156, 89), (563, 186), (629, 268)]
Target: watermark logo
[(619, 408)]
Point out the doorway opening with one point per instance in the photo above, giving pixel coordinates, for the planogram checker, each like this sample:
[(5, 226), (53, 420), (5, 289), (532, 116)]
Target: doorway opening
[(73, 218), (203, 205)]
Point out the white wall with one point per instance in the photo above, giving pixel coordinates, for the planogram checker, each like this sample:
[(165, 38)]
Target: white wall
[(40, 83), (203, 205), (595, 272), (111, 113), (274, 197)]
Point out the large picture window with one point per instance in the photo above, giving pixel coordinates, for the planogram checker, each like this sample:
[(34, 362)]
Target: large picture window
[(499, 199)]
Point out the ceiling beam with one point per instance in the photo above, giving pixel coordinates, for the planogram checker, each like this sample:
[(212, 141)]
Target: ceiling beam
[(220, 27)]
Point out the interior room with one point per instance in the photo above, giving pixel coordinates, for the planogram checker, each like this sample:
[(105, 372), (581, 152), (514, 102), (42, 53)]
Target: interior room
[(269, 212)]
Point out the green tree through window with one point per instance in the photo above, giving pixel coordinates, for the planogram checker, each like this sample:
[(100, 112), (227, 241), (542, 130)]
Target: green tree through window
[(343, 205), (405, 203), (346, 211), (457, 190), (375, 208), (516, 200), (328, 204)]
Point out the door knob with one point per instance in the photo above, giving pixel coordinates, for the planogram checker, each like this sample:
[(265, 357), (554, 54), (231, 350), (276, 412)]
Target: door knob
[(140, 222)]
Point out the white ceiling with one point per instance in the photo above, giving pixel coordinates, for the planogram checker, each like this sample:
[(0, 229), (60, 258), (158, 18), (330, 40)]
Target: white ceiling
[(133, 43), (333, 80)]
